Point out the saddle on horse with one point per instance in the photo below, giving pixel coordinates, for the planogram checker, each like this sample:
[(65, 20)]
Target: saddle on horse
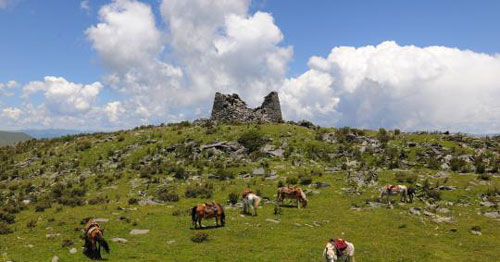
[(90, 226), (246, 192), (211, 208), (340, 245)]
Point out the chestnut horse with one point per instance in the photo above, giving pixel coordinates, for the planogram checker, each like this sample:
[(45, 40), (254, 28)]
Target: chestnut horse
[(292, 193), (94, 240), (402, 190), (208, 210)]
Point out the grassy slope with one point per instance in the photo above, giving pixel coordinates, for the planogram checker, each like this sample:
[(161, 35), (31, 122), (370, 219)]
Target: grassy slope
[(379, 234), (10, 138)]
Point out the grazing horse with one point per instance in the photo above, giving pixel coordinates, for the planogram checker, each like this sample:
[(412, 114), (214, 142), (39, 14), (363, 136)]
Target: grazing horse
[(332, 252), (94, 240), (411, 193), (208, 210), (401, 190), (292, 193), (251, 201)]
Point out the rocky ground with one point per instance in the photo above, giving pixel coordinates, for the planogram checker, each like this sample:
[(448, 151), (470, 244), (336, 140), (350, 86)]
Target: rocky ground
[(141, 183)]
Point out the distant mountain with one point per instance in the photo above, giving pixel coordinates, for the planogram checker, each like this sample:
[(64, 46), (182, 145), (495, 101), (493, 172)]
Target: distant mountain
[(51, 133), (10, 138)]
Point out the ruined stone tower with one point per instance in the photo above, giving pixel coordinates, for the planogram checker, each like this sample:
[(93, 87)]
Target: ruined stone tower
[(230, 108)]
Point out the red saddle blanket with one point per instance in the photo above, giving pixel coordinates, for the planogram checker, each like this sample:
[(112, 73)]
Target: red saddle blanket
[(340, 244)]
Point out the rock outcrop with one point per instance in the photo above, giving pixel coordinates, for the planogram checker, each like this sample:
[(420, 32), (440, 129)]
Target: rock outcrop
[(230, 108)]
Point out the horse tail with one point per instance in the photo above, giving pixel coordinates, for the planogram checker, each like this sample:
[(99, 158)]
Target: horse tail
[(257, 201), (102, 242), (222, 215), (193, 214)]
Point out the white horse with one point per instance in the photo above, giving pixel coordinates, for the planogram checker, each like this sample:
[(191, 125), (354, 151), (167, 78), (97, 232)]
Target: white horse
[(401, 190), (330, 252), (251, 201)]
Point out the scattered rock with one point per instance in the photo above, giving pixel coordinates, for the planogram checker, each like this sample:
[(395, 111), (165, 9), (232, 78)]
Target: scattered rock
[(170, 242), (259, 171), (298, 224), (449, 188), (100, 220), (443, 210), (55, 259), (321, 184), (139, 231), (492, 214), (272, 220), (52, 236), (415, 211), (487, 204), (119, 240), (475, 232), (73, 251)]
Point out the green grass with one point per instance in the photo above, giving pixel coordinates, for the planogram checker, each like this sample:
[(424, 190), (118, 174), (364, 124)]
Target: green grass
[(379, 234)]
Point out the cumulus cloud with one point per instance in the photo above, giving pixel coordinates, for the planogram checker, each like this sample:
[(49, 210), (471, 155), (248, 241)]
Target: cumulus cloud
[(12, 112), (207, 46), (64, 97), (113, 110), (408, 87)]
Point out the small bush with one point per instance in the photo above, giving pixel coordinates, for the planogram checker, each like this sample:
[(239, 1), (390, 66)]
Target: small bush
[(168, 195), (7, 218), (305, 180), (199, 190), (484, 176), (67, 243), (31, 224), (199, 237), (476, 228), (281, 184), (252, 140), (291, 180), (99, 200), (133, 201), (4, 229), (233, 197), (403, 177)]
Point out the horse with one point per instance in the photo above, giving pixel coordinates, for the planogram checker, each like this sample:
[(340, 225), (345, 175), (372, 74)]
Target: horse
[(251, 201), (208, 210), (402, 190), (411, 193), (94, 240), (292, 193), (332, 253)]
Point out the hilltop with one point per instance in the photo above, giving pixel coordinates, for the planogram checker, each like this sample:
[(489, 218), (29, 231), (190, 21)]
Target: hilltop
[(149, 177), (10, 138)]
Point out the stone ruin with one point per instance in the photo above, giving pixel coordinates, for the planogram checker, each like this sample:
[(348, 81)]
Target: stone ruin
[(230, 108)]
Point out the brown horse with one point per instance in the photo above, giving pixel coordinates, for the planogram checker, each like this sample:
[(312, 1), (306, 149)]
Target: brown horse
[(208, 210), (292, 193), (94, 240)]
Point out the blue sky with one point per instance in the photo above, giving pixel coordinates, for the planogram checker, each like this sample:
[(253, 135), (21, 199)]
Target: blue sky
[(50, 38)]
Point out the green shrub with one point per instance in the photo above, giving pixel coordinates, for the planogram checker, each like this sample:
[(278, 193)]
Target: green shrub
[(199, 190), (305, 180), (7, 218), (4, 228), (199, 237), (31, 224), (167, 194), (291, 180), (133, 201), (403, 177), (233, 197), (252, 140)]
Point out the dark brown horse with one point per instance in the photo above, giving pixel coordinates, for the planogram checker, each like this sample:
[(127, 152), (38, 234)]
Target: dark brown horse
[(208, 210), (94, 240)]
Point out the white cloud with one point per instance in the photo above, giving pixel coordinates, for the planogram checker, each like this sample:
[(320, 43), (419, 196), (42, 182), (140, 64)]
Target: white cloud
[(12, 112), (113, 110), (208, 46), (404, 87), (64, 97), (85, 5), (12, 84)]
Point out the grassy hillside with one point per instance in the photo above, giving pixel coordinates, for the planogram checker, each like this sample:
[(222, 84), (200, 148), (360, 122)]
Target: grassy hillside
[(149, 178), (10, 138)]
